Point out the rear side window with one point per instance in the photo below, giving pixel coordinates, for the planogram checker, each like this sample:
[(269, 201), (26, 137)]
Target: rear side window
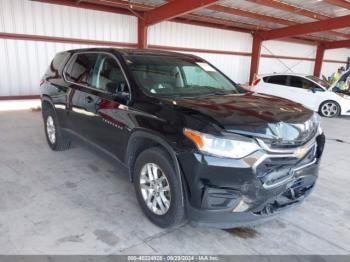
[(79, 69), (56, 65), (295, 81), (277, 80)]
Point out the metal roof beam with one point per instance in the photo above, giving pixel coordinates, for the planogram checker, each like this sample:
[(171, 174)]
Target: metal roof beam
[(297, 10), (307, 28), (337, 44), (290, 8), (340, 3), (175, 9), (244, 13)]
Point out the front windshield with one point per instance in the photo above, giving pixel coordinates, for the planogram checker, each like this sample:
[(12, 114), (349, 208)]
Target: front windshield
[(319, 81), (161, 75)]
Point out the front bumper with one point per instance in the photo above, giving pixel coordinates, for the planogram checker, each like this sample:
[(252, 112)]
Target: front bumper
[(235, 192), (345, 106)]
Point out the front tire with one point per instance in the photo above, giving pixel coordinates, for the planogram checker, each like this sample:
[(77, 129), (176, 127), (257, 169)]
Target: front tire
[(329, 109), (53, 132), (158, 188)]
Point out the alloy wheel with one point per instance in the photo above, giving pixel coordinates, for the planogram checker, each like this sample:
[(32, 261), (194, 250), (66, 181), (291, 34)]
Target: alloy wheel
[(51, 129), (155, 189), (329, 109)]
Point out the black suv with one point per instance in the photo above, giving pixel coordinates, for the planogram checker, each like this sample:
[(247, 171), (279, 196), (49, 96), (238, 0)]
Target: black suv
[(197, 145)]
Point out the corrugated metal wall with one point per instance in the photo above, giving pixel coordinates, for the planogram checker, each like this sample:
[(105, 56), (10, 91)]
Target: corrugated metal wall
[(280, 65), (24, 62), (28, 17), (237, 66), (191, 36)]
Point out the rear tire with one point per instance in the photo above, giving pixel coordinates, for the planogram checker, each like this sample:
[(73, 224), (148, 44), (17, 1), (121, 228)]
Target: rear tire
[(158, 188), (53, 132), (329, 109)]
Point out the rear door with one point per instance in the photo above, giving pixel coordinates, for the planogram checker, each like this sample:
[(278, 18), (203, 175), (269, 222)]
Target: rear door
[(275, 85), (96, 113)]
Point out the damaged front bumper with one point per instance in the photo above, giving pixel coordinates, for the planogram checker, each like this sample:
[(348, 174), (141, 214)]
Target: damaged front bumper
[(228, 193)]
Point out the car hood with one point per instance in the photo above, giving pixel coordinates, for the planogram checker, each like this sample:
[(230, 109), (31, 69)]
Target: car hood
[(252, 114)]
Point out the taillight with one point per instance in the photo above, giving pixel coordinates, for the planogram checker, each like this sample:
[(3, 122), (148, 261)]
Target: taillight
[(256, 82)]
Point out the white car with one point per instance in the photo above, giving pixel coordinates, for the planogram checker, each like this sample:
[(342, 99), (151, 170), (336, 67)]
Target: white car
[(310, 91)]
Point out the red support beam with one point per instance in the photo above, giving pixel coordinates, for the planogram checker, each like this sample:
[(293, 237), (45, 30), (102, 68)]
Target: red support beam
[(319, 60), (307, 28), (28, 97), (118, 4), (89, 5), (290, 8), (297, 10), (340, 3), (55, 39), (244, 13), (337, 44), (141, 33), (174, 9), (255, 59)]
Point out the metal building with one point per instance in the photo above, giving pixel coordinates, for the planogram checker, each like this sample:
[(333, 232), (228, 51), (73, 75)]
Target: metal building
[(31, 32)]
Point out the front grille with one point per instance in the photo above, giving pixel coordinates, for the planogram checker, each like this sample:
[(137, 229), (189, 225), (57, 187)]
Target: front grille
[(293, 195), (276, 169)]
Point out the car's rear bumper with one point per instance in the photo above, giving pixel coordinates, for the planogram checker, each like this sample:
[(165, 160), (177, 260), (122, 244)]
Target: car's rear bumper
[(231, 193)]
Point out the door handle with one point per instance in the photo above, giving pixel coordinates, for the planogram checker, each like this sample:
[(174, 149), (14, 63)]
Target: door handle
[(89, 99)]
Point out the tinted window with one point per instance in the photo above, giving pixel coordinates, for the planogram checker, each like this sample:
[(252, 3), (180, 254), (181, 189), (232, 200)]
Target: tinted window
[(107, 74), (56, 65), (295, 81), (277, 80), (300, 82), (79, 68), (319, 81)]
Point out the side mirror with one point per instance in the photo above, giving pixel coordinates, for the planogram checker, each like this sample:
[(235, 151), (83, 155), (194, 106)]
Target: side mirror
[(119, 91)]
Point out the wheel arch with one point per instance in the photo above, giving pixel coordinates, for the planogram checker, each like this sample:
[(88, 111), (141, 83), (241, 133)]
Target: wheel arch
[(139, 141), (45, 102)]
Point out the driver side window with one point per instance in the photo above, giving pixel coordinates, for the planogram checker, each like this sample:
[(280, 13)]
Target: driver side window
[(300, 82), (107, 75)]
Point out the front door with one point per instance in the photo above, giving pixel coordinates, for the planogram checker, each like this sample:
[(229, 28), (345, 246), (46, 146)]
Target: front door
[(303, 91)]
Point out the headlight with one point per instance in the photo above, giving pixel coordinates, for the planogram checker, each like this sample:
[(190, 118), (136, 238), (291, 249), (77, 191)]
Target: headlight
[(316, 119), (316, 122), (220, 146)]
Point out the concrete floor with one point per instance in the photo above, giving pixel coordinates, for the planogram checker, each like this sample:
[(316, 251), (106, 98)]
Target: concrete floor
[(76, 202)]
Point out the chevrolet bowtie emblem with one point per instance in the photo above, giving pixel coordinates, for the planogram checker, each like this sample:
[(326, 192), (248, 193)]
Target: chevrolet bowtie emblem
[(300, 152)]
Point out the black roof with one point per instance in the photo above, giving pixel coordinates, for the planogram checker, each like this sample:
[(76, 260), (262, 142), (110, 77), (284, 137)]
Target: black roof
[(133, 51)]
